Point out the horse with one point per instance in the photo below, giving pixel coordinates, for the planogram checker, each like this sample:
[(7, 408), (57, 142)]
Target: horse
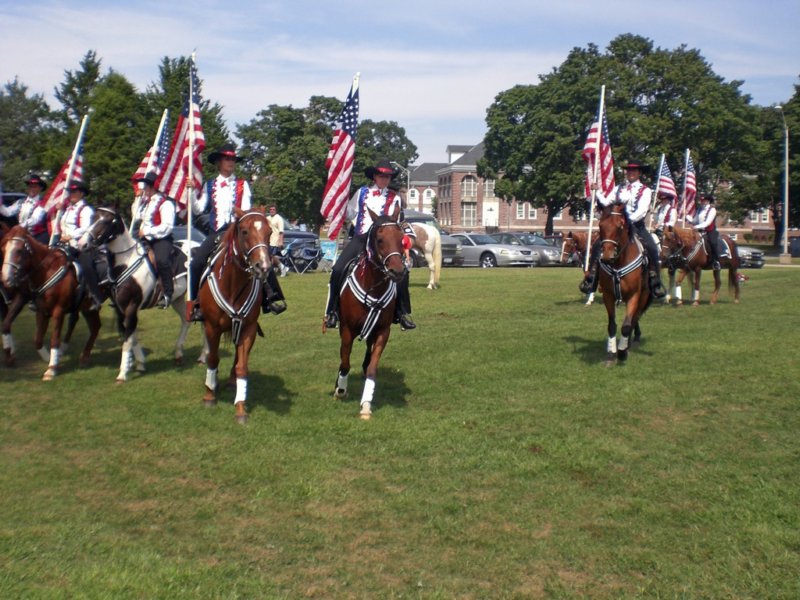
[(367, 304), (135, 286), (230, 299), (11, 303), (622, 277), (686, 250), (573, 246), (53, 283), (428, 241)]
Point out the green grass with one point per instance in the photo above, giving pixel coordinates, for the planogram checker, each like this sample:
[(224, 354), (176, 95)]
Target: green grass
[(503, 460)]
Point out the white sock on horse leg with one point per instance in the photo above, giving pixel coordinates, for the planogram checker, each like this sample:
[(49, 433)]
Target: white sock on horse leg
[(341, 382), (241, 390), (211, 379), (611, 345), (55, 353), (369, 391), (8, 342)]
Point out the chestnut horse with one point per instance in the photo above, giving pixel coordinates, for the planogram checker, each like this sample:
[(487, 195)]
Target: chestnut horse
[(622, 277), (573, 246), (49, 278), (686, 250), (367, 303), (230, 299), (11, 303), (428, 241), (135, 286)]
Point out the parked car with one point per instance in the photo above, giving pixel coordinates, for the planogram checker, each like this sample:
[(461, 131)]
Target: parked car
[(547, 253), (481, 250), (452, 253), (750, 257)]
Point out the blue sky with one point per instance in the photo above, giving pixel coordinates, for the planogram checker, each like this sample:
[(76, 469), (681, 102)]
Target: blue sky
[(434, 67)]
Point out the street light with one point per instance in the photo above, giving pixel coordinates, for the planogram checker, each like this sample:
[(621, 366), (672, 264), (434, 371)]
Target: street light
[(785, 257), (407, 174)]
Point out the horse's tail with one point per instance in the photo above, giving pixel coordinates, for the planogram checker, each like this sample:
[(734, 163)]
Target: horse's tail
[(436, 252)]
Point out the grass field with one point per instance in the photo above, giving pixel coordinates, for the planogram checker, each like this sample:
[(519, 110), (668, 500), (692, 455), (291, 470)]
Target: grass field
[(503, 460)]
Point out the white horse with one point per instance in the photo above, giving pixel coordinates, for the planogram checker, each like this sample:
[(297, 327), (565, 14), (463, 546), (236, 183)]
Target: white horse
[(135, 285), (429, 242)]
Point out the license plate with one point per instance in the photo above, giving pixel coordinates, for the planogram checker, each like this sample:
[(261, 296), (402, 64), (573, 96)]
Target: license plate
[(447, 261)]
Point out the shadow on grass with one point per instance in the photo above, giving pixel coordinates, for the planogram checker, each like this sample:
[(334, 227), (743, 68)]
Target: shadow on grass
[(390, 388), (593, 351)]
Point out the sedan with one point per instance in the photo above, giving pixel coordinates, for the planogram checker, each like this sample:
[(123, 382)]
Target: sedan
[(481, 250), (548, 253), (750, 257)]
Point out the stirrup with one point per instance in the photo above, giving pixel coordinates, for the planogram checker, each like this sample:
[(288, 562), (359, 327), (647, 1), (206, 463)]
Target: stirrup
[(656, 287), (275, 308), (716, 266), (197, 314), (331, 320), (406, 322), (164, 301), (587, 285)]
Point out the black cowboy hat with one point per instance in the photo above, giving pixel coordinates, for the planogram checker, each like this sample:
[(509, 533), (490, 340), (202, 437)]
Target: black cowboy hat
[(149, 178), (34, 179), (227, 150), (708, 197), (76, 185), (384, 167), (635, 164)]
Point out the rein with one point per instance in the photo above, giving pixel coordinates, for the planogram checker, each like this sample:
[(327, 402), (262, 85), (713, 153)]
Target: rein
[(51, 281)]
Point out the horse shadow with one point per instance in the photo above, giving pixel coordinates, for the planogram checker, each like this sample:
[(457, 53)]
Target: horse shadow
[(390, 389), (592, 351)]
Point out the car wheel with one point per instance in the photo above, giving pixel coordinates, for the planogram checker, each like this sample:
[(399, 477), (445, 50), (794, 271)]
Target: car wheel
[(488, 261)]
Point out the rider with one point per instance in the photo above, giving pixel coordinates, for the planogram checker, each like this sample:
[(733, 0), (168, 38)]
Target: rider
[(705, 221), (32, 215), (220, 196), (666, 215), (636, 198), (75, 221), (157, 218), (382, 201)]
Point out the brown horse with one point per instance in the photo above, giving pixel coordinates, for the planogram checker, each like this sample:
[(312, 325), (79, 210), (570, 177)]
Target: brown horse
[(687, 251), (622, 277), (230, 299), (367, 303), (11, 303), (49, 278), (573, 248)]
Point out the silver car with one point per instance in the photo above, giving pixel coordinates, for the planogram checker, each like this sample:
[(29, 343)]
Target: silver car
[(481, 250), (547, 252)]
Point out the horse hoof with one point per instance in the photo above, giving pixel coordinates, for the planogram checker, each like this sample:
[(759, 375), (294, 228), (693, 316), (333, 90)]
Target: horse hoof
[(242, 419), (178, 361), (11, 361), (679, 303), (84, 362), (140, 369), (696, 303), (209, 403), (49, 375), (339, 394)]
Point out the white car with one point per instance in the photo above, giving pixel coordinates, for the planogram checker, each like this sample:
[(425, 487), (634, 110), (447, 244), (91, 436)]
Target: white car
[(481, 250)]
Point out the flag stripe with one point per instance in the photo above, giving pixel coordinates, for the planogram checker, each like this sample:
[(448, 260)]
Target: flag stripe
[(606, 175)]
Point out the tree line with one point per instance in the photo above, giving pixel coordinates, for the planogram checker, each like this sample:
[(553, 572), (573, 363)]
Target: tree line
[(657, 101)]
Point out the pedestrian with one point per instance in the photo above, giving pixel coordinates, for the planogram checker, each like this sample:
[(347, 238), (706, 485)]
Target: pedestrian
[(32, 215), (277, 225), (157, 218), (382, 201), (636, 197), (75, 222), (705, 221)]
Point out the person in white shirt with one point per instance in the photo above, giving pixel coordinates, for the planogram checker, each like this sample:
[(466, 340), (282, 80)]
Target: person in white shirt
[(75, 221), (381, 200), (32, 215), (666, 215), (157, 218), (705, 221), (636, 197), (276, 238)]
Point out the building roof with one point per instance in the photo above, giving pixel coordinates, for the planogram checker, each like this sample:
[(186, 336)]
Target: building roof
[(425, 173), (472, 156)]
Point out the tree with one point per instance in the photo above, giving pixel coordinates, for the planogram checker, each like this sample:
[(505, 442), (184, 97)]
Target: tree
[(75, 92), (27, 126), (657, 101)]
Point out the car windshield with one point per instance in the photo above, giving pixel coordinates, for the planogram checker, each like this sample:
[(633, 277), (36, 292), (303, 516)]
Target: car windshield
[(530, 239), (483, 240)]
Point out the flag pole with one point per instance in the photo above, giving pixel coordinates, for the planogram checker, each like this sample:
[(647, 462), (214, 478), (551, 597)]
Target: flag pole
[(683, 192), (594, 175), (151, 158), (190, 177), (655, 192), (70, 171)]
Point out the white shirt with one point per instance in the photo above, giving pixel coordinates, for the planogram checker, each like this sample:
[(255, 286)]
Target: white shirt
[(31, 212), (705, 217), (666, 216), (157, 204), (75, 221), (224, 196), (636, 197), (380, 201)]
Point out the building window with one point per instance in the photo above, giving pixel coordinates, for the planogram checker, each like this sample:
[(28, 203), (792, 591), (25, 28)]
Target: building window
[(469, 214), (469, 189), (559, 215), (765, 215), (413, 196), (531, 212), (520, 210), (488, 189)]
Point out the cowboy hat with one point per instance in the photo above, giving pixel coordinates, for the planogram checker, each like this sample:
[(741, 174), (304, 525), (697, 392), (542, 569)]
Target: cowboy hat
[(635, 164), (148, 179), (77, 186), (226, 150), (383, 167), (34, 179)]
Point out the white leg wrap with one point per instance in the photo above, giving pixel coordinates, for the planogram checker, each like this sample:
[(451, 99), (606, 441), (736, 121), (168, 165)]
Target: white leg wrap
[(695, 295), (138, 351), (678, 293), (54, 356), (341, 382), (125, 361), (241, 390), (8, 343), (44, 354), (623, 343), (368, 393), (211, 379), (611, 345)]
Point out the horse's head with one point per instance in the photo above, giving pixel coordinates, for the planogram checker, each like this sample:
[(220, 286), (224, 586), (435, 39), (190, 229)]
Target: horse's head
[(18, 257), (385, 244), (107, 225), (568, 247), (252, 232), (614, 230)]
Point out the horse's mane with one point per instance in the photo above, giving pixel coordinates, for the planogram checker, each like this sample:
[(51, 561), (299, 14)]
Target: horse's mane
[(686, 235)]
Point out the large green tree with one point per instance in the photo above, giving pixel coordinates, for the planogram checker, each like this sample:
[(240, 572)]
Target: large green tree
[(657, 101)]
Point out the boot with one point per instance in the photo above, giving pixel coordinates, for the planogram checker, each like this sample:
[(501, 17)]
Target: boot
[(656, 288), (196, 314), (331, 320), (589, 283), (164, 301), (406, 322)]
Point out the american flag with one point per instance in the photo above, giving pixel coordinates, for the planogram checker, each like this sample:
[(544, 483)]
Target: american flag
[(690, 190), (158, 151), (56, 197), (665, 184), (340, 165), (606, 175), (175, 168)]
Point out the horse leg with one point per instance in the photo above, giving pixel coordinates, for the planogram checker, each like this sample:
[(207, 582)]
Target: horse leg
[(92, 318), (180, 307), (717, 285), (627, 329), (611, 343), (11, 312), (38, 336), (371, 372), (367, 357), (138, 354), (72, 321), (212, 338), (589, 299), (242, 354), (345, 348), (126, 360), (203, 358), (55, 345), (733, 282), (696, 291)]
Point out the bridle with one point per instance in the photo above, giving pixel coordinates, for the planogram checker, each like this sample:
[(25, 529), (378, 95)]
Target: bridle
[(245, 263), (25, 249), (618, 249), (110, 232), (372, 253)]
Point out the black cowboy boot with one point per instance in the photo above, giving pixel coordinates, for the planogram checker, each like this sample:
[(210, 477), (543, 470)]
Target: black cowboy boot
[(590, 280), (272, 299), (656, 287), (406, 322), (332, 314)]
